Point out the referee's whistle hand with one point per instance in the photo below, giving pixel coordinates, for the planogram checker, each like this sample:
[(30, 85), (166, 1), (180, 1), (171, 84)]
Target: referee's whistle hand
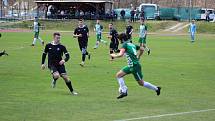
[(62, 62)]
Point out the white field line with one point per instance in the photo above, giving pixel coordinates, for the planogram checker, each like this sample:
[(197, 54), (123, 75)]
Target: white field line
[(180, 28), (166, 115), (173, 27), (14, 49)]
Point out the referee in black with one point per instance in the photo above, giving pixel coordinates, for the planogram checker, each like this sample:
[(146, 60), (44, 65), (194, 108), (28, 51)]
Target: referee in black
[(113, 34), (82, 32), (129, 30), (55, 51)]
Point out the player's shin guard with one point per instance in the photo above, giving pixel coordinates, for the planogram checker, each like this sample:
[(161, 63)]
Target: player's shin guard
[(122, 85), (34, 42), (84, 53), (150, 86), (69, 85)]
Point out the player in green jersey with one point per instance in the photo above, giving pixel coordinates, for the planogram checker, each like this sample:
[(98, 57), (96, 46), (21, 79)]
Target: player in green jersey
[(98, 29), (36, 32), (142, 36), (130, 51)]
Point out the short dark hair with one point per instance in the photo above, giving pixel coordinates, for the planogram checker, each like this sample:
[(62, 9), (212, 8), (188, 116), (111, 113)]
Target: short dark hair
[(56, 33), (111, 23), (122, 37)]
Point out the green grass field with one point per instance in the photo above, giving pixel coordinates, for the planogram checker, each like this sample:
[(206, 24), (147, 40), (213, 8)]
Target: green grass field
[(185, 71)]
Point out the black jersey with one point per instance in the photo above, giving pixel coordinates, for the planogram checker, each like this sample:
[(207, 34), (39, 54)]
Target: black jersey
[(114, 35), (84, 31), (128, 29), (55, 53)]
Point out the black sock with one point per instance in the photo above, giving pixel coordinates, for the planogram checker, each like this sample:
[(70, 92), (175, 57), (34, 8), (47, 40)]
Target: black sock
[(69, 85), (83, 57), (111, 51), (1, 53), (54, 78)]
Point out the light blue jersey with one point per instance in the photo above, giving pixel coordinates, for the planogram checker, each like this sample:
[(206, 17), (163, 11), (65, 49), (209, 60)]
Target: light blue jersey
[(98, 29), (193, 28), (192, 31), (143, 30)]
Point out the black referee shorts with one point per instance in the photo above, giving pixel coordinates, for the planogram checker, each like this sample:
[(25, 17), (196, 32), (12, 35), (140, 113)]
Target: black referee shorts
[(114, 45), (57, 68), (83, 44)]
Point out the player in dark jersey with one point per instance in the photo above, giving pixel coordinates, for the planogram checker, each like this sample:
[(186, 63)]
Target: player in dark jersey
[(82, 32), (55, 51), (129, 31), (114, 40)]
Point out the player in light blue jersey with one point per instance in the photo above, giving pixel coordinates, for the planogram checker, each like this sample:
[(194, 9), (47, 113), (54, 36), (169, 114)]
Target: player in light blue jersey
[(98, 29), (192, 30)]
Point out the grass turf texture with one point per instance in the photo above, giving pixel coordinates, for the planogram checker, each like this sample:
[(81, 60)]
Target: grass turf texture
[(185, 72)]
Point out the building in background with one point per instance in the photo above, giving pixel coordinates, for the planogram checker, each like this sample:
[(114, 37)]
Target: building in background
[(74, 8)]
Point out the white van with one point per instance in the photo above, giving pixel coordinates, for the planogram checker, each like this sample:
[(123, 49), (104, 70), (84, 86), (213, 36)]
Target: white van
[(151, 10), (204, 11)]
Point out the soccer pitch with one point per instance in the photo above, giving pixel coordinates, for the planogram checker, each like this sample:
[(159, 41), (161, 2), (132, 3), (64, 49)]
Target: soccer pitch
[(184, 70)]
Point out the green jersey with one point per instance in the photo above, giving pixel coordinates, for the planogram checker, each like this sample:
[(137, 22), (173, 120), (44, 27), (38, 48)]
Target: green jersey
[(131, 53), (98, 28), (36, 27), (143, 29)]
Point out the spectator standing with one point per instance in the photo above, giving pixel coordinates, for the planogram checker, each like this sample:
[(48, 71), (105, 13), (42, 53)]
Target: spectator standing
[(122, 13)]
